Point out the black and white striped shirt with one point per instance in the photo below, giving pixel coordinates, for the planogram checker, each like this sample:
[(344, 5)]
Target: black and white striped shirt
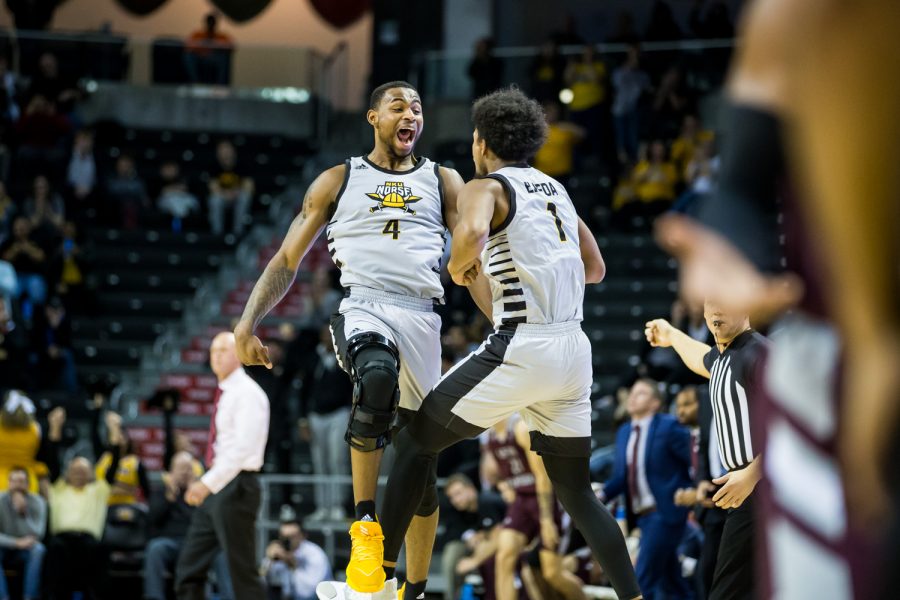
[(731, 373)]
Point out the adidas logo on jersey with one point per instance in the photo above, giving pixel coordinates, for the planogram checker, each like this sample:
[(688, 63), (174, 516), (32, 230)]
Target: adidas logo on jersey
[(361, 166)]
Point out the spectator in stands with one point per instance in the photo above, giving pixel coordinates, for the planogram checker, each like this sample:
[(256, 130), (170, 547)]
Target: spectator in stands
[(653, 459), (68, 269), (229, 190), (45, 210), (21, 437), (126, 193), (689, 140), (208, 49), (671, 103), (174, 199), (130, 483), (170, 517), (77, 504), (23, 520), (81, 177), (30, 263), (52, 85), (556, 157), (41, 134), (485, 69), (656, 178), (586, 77), (700, 177), (174, 441), (630, 83), (8, 212), (323, 299), (547, 71), (472, 522), (53, 343), (293, 565), (326, 398)]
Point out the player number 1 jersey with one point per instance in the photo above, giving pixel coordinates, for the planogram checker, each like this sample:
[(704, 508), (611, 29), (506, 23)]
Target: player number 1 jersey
[(388, 231), (533, 260)]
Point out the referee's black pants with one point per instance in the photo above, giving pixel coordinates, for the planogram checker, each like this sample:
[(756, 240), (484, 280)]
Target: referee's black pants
[(734, 576), (226, 521)]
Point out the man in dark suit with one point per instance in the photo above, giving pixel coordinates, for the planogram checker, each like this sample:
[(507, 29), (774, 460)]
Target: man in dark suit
[(653, 460)]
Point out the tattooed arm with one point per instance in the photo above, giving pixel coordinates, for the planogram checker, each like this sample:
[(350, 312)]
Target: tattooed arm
[(276, 279), (544, 489)]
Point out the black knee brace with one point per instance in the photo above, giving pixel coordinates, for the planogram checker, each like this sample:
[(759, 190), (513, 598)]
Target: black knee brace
[(375, 370)]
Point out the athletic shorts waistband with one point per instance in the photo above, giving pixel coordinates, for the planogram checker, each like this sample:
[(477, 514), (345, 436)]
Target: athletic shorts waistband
[(543, 329), (398, 300)]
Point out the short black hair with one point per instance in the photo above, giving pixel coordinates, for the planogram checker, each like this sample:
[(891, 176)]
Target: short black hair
[(378, 93), (512, 125)]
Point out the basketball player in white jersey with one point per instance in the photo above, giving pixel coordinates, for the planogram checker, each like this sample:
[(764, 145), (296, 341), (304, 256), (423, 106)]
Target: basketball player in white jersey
[(385, 216), (523, 251)]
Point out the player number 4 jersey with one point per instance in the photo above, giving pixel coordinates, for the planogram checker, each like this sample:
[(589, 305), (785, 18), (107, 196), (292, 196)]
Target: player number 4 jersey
[(388, 231), (533, 260)]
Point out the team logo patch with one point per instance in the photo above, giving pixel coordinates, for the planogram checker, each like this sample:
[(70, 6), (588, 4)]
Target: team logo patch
[(393, 194)]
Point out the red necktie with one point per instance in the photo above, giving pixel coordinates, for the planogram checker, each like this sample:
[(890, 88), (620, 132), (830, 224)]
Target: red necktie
[(211, 440), (633, 467)]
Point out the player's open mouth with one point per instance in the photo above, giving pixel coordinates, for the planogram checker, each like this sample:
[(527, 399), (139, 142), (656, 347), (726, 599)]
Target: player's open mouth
[(406, 135)]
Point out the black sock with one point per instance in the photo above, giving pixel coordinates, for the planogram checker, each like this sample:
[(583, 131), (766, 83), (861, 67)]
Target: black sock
[(365, 510), (415, 590), (389, 572)]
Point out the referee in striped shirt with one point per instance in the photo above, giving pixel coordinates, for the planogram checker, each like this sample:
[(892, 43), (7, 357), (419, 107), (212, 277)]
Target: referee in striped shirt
[(730, 369)]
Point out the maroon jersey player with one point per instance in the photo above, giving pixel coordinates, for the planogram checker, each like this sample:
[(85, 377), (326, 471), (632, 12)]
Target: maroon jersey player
[(532, 512)]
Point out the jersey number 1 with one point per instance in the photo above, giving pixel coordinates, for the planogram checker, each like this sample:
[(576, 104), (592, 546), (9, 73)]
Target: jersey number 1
[(551, 208), (392, 228)]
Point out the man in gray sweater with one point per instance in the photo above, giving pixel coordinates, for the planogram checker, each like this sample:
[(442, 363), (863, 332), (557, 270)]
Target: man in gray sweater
[(23, 520)]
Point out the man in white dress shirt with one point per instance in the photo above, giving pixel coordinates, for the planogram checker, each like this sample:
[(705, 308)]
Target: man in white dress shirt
[(228, 494)]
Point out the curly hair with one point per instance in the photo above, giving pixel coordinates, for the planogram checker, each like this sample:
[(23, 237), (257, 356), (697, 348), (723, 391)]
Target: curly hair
[(512, 125)]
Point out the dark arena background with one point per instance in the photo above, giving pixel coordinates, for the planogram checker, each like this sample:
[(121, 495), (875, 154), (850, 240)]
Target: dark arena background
[(153, 154)]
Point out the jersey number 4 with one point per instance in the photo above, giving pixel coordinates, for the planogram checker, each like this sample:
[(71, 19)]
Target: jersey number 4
[(392, 228), (551, 208)]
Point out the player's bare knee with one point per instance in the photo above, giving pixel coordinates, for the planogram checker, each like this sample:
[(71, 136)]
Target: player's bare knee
[(375, 373)]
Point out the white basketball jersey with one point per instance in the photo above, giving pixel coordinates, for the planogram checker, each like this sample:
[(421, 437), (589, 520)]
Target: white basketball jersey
[(388, 231), (533, 260)]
